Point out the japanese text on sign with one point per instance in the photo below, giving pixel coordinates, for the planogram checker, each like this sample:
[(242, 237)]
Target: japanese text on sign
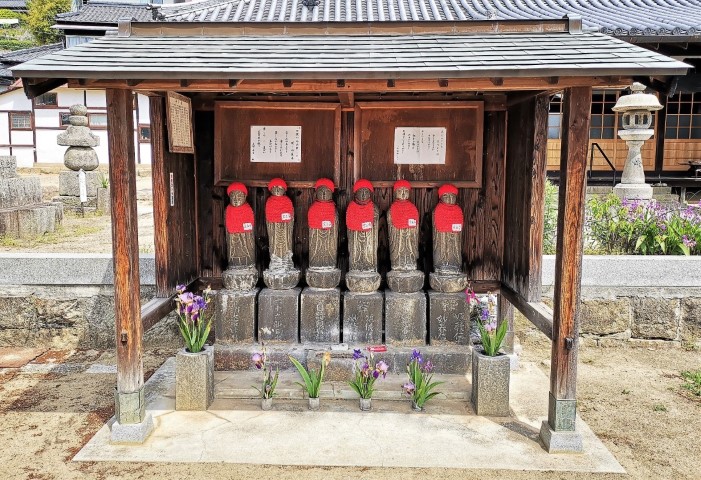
[(276, 144), (419, 145)]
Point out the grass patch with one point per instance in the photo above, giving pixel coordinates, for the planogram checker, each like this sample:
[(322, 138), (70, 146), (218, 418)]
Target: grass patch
[(61, 234), (658, 407), (692, 383)]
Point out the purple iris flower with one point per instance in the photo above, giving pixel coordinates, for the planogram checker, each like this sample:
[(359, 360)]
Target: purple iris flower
[(258, 360), (375, 374), (416, 355), (383, 367), (485, 314), (357, 354), (428, 367), (409, 388), (180, 288)]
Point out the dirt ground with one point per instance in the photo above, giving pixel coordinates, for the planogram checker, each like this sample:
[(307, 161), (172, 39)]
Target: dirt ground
[(84, 234), (631, 398)]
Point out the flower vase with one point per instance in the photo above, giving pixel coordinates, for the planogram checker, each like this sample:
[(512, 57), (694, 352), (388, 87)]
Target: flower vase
[(194, 379), (490, 383), (314, 403), (365, 404), (266, 404), (415, 407)]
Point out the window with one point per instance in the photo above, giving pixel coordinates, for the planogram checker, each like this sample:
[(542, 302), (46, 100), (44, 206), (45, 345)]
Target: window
[(21, 120), (683, 117), (555, 117), (73, 40), (64, 119), (144, 133), (603, 119), (47, 99), (98, 120)]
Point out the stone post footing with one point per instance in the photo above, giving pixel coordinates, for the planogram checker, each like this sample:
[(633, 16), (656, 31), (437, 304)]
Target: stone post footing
[(132, 433), (560, 442)]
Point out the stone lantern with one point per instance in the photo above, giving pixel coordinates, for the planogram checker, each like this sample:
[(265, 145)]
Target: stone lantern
[(636, 110)]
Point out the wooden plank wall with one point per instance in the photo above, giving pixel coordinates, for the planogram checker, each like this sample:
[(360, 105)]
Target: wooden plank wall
[(175, 233), (483, 207), (525, 183)]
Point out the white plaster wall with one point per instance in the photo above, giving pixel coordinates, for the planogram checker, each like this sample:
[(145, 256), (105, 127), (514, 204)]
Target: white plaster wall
[(47, 118), (69, 96), (15, 100), (24, 155), (95, 99), (144, 117), (22, 137), (145, 153), (47, 149), (4, 129)]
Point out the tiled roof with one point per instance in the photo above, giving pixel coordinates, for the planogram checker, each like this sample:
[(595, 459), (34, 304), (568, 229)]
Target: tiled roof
[(19, 56), (615, 17), (14, 4), (357, 56), (105, 13)]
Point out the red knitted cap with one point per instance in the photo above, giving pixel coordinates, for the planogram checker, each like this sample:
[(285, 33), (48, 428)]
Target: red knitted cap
[(237, 187), (447, 188), (324, 182), (362, 183), (277, 182), (401, 184)]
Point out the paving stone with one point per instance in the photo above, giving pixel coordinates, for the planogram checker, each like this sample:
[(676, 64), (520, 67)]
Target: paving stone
[(405, 318), (448, 319), (235, 316), (278, 315), (320, 315), (362, 317)]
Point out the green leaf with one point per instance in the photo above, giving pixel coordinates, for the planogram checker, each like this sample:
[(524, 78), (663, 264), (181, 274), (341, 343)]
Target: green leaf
[(304, 374)]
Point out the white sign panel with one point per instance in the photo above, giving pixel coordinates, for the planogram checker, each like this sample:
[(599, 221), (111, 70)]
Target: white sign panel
[(419, 145), (82, 186), (276, 144)]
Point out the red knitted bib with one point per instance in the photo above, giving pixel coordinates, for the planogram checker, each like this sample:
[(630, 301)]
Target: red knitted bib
[(448, 218), (322, 215), (360, 218), (404, 214), (239, 219), (279, 209)]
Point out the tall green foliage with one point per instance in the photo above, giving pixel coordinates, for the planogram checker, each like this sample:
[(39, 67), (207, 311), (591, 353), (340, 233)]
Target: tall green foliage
[(41, 15), (550, 219)]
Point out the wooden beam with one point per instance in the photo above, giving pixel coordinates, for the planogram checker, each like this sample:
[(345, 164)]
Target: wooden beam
[(538, 313), (125, 251), (660, 127), (347, 99), (568, 260), (155, 309), (160, 185)]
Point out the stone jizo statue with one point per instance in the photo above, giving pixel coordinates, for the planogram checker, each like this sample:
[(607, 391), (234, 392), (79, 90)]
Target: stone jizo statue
[(241, 273), (361, 221), (403, 224), (279, 220), (448, 225), (323, 238)]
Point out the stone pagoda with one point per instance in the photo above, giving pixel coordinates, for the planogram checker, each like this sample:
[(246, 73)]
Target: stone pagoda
[(22, 212), (80, 155)]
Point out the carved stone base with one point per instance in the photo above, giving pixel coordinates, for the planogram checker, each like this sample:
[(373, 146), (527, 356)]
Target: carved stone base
[(405, 318), (362, 317), (323, 278), (405, 281), (235, 316), (278, 315), (448, 282), (320, 317), (448, 318), (240, 279), (281, 280), (363, 282)]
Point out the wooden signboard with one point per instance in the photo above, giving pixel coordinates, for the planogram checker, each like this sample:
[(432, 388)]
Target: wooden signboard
[(256, 141), (179, 116), (427, 143)]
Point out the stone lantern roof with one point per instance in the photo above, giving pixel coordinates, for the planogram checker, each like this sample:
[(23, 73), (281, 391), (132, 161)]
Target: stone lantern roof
[(637, 100)]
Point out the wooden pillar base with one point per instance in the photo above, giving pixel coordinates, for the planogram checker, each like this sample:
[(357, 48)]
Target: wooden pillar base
[(562, 414)]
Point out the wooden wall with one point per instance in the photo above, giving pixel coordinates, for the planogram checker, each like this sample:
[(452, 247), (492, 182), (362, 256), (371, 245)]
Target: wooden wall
[(483, 207)]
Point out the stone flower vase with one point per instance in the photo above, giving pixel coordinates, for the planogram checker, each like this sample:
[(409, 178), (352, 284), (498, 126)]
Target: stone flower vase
[(266, 404), (366, 404), (194, 379), (490, 383), (314, 403)]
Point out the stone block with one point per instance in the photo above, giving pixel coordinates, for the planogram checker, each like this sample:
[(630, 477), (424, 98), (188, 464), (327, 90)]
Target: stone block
[(103, 200), (560, 442), (320, 315), (691, 319), (76, 158), (278, 315), (448, 318), (241, 279), (69, 185), (490, 384), (131, 433), (129, 407), (323, 277), (194, 379), (405, 281), (363, 282), (362, 317), (656, 318), (19, 192), (74, 202), (235, 316), (405, 318), (448, 282), (281, 280), (238, 357), (604, 317), (8, 166), (29, 221)]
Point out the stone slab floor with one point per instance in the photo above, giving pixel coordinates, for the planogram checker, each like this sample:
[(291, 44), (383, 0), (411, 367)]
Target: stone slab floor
[(447, 434)]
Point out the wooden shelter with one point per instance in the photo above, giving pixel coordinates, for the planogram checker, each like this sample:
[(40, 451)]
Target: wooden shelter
[(349, 85)]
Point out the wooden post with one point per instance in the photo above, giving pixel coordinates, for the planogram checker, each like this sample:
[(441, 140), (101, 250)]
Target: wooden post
[(129, 397), (562, 409)]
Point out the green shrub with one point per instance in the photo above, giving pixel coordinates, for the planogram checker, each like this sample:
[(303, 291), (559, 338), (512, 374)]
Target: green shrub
[(5, 13), (13, 44), (41, 17), (550, 219)]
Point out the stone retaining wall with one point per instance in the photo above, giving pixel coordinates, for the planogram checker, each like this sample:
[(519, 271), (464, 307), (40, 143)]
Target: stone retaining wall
[(66, 300)]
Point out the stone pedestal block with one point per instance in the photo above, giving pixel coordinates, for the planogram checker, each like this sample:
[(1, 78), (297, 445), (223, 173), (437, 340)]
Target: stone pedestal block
[(363, 282), (323, 277), (69, 185), (8, 166), (490, 384), (320, 317), (194, 379), (241, 279), (281, 280), (103, 200), (278, 315), (448, 318), (448, 282), (235, 316), (405, 318), (19, 191), (31, 220), (362, 317), (560, 442), (405, 281)]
